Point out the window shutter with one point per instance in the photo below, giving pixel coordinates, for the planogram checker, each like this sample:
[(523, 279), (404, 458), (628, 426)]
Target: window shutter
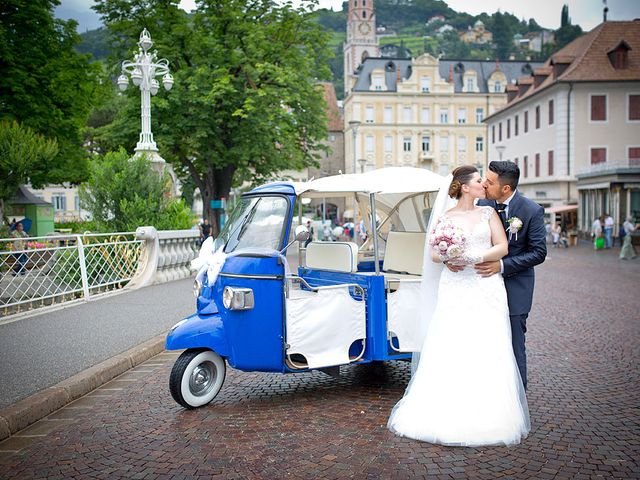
[(537, 164), (634, 156), (550, 112), (598, 155), (550, 162), (634, 107), (598, 108)]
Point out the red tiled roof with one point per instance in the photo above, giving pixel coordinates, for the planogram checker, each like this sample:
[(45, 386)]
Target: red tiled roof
[(588, 60), (333, 113)]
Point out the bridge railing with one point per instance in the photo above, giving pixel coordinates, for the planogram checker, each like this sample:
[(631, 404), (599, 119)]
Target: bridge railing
[(36, 272)]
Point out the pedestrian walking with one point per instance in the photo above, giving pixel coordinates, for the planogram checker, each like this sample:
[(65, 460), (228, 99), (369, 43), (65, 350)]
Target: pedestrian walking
[(596, 234), (628, 252), (608, 231), (19, 245)]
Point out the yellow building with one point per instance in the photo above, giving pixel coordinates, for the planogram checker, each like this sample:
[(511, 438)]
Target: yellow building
[(420, 112), (423, 112)]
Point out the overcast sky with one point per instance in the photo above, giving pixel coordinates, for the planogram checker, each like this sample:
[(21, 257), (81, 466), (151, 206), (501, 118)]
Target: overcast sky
[(586, 13)]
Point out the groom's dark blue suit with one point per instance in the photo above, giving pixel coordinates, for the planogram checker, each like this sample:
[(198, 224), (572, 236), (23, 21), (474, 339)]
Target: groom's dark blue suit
[(526, 251)]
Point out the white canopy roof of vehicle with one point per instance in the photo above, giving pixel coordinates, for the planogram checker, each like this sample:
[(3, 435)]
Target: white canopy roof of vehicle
[(403, 194)]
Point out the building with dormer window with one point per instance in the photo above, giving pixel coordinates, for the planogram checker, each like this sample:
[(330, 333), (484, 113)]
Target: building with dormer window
[(573, 126)]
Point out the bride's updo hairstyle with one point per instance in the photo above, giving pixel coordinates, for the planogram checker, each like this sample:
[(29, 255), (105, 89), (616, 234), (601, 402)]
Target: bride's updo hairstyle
[(461, 176)]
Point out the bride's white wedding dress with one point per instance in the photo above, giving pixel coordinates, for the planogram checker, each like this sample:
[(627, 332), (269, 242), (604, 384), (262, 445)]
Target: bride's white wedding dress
[(467, 388)]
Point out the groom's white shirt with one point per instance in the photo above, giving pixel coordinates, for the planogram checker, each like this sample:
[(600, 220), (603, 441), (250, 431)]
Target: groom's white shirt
[(506, 214)]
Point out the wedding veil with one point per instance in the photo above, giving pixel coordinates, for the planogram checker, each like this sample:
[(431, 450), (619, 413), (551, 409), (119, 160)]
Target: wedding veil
[(430, 270)]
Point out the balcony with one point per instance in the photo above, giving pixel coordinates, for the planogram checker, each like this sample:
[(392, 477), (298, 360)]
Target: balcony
[(609, 167)]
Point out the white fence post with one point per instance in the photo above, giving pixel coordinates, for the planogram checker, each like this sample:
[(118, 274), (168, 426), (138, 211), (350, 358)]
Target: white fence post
[(83, 268)]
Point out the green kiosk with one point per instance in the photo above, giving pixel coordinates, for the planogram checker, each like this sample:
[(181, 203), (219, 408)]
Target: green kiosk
[(26, 205)]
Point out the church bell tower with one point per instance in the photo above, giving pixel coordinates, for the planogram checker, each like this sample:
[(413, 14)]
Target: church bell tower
[(361, 39)]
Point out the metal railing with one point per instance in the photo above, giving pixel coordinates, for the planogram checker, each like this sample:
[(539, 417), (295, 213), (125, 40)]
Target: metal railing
[(42, 271)]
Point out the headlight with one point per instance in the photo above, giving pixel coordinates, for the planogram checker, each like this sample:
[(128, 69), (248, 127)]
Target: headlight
[(237, 298), (197, 288)]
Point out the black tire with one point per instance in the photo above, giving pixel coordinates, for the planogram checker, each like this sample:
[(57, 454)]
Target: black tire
[(197, 377)]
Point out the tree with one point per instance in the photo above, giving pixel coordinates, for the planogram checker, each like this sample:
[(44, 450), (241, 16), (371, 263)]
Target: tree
[(502, 35), (123, 193), (245, 103), (45, 84), (22, 151), (567, 32)]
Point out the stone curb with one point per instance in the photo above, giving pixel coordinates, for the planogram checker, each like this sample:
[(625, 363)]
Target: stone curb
[(31, 409)]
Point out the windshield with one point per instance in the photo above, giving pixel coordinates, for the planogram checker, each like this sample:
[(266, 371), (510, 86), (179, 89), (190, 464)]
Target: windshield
[(255, 223)]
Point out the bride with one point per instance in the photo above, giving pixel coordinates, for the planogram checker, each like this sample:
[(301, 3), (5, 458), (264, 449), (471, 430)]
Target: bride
[(466, 390)]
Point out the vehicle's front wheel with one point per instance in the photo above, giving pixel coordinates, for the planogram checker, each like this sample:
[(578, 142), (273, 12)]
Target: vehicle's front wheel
[(197, 377)]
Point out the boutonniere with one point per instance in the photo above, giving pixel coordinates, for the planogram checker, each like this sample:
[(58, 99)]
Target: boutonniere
[(515, 224)]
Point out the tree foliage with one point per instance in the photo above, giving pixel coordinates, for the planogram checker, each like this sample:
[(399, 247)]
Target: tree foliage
[(245, 102), (123, 193), (45, 84), (22, 152)]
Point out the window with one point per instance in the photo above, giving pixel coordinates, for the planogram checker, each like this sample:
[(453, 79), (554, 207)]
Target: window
[(479, 114), (537, 165), (425, 115), (462, 115), (377, 82), (497, 87), (508, 128), (515, 125), (388, 115), (406, 144), (550, 112), (537, 117), (634, 107), (388, 144), (368, 144), (598, 155), (493, 134), (425, 84), (426, 143), (525, 164), (515, 160), (471, 84), (634, 156), (526, 121), (462, 144), (444, 115), (444, 144), (59, 201), (406, 114), (500, 132), (598, 108), (550, 160), (76, 203), (479, 144), (368, 114)]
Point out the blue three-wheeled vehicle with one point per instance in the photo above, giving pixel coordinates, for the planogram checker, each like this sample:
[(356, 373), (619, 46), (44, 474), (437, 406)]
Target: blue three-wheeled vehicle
[(345, 304)]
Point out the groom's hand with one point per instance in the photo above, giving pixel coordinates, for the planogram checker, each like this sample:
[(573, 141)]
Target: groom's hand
[(486, 269), (453, 267)]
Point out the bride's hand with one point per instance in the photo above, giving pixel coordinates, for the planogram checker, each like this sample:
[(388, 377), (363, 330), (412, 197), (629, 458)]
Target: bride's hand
[(453, 267)]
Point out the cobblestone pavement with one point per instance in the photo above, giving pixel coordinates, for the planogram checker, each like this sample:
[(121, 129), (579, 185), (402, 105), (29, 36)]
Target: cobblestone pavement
[(583, 347)]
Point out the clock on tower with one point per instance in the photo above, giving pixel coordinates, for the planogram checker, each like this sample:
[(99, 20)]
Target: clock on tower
[(364, 28)]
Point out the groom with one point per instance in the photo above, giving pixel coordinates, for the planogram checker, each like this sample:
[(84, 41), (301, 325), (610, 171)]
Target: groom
[(524, 223)]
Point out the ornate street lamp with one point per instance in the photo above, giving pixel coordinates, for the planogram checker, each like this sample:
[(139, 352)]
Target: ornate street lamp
[(143, 71)]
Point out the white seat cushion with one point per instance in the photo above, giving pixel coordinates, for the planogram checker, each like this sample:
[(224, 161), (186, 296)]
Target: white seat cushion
[(333, 256), (404, 252)]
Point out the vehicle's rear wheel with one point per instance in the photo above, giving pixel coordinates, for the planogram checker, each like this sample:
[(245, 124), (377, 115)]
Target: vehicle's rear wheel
[(197, 377)]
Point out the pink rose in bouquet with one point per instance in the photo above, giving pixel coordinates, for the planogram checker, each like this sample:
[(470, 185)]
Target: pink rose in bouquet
[(447, 240)]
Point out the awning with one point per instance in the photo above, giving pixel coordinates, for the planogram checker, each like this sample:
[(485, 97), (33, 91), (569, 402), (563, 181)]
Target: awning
[(561, 209)]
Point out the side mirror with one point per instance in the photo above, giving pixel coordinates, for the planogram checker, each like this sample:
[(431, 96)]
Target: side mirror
[(301, 235)]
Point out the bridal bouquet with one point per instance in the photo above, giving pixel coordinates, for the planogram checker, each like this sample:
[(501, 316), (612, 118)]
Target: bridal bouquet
[(447, 240)]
